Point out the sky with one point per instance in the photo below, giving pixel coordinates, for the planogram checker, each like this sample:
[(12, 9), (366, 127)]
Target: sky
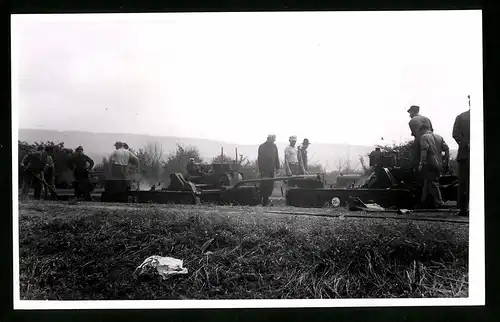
[(333, 77)]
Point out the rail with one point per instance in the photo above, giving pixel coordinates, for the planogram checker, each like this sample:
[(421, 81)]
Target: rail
[(302, 177)]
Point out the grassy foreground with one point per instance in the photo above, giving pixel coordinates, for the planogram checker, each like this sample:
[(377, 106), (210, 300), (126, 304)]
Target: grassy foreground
[(84, 253)]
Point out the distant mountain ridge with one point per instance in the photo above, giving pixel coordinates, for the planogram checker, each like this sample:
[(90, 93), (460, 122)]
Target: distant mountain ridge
[(100, 145)]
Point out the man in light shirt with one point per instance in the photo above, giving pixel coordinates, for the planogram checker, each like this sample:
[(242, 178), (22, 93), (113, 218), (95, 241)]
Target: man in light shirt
[(120, 160), (431, 164), (291, 157)]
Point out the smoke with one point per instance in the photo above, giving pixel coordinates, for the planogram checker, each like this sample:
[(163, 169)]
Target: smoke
[(144, 183)]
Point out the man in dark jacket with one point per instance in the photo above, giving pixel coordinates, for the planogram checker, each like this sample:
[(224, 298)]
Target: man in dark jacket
[(461, 134), (268, 163), (81, 164), (302, 155)]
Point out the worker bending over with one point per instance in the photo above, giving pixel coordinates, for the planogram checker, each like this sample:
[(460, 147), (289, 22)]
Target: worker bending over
[(415, 124), (33, 164), (431, 164)]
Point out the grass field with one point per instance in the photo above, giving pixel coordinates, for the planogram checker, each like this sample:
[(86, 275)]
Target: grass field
[(90, 251)]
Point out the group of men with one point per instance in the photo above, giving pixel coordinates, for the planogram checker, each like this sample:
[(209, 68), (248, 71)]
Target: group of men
[(38, 169), (120, 160), (428, 150), (269, 163)]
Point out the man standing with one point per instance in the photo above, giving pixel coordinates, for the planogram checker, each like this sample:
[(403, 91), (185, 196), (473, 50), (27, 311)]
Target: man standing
[(302, 153), (33, 164), (120, 160), (268, 163), (415, 123), (431, 166), (81, 165), (49, 173), (461, 134), (291, 158)]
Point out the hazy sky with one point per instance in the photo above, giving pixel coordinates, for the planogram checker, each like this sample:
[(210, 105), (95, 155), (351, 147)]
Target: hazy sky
[(345, 77)]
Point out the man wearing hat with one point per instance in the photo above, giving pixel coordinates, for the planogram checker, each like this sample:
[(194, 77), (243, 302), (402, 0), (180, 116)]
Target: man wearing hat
[(415, 123), (302, 156), (193, 168), (268, 163), (81, 164), (292, 158)]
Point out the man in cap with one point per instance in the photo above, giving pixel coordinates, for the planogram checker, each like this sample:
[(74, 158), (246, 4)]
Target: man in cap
[(81, 165), (415, 123), (193, 168), (375, 157), (461, 134), (302, 153), (292, 158), (33, 165), (268, 163), (120, 160), (431, 164)]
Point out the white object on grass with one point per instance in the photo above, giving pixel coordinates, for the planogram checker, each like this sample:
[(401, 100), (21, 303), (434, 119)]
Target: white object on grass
[(165, 266)]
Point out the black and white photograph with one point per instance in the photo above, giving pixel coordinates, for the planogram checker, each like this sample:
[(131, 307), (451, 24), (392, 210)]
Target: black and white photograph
[(247, 159)]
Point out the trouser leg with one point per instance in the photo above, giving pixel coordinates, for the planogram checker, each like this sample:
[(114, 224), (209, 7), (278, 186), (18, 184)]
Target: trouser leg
[(464, 185), (37, 185), (431, 188), (266, 188), (415, 153), (27, 180)]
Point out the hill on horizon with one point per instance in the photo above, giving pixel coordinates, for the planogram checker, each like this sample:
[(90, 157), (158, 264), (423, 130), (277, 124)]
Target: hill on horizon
[(100, 145)]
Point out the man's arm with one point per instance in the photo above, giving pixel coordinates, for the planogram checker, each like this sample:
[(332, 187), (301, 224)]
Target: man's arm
[(90, 162), (413, 127), (276, 155), (25, 160), (457, 134), (424, 146), (49, 164), (134, 158), (446, 150), (287, 167)]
